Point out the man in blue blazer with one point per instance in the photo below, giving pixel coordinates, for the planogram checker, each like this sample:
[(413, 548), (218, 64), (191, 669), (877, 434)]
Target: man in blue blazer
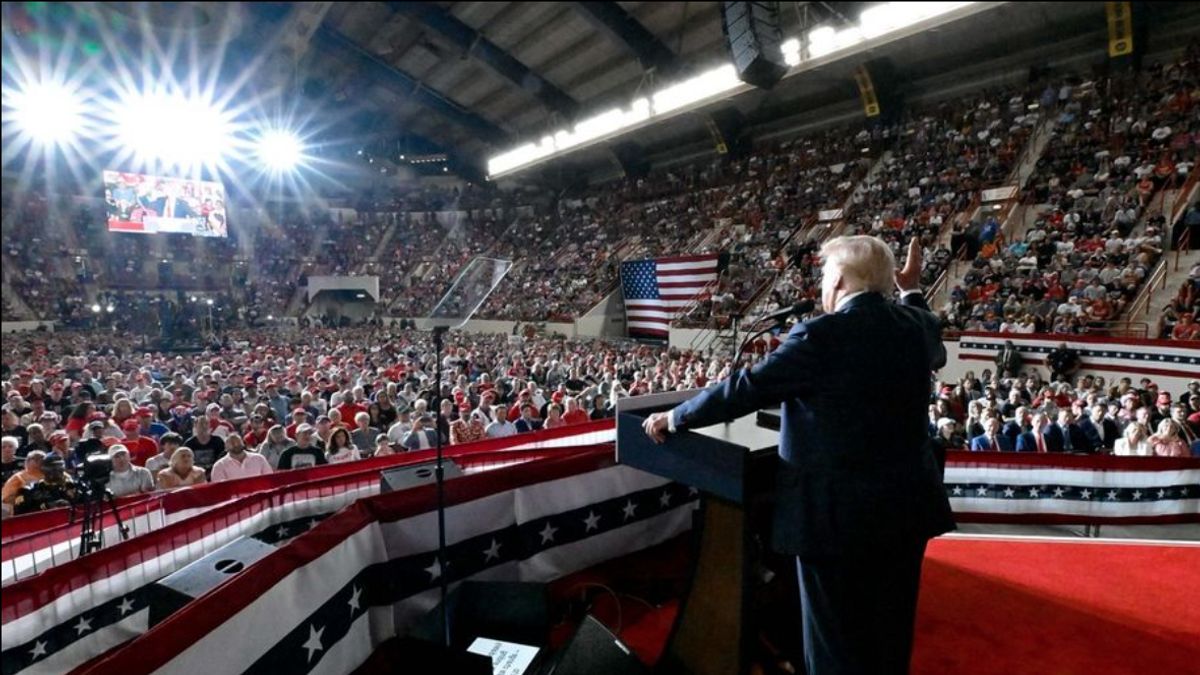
[(1066, 436), (859, 493), (991, 440), (1101, 432)]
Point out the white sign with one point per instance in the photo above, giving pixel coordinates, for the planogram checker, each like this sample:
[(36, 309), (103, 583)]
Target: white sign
[(998, 194), (508, 658), (831, 214)]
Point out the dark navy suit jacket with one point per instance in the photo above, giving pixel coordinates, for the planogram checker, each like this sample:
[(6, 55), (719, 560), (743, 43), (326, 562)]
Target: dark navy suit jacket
[(980, 444), (1053, 436), (856, 468), (1027, 442), (1111, 433)]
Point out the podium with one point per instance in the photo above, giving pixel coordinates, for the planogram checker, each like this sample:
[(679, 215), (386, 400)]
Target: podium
[(733, 466)]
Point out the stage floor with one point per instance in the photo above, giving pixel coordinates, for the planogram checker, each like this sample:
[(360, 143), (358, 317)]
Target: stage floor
[(998, 604)]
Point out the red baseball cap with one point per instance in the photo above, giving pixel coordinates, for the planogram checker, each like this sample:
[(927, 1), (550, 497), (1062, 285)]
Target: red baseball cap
[(130, 425), (144, 412)]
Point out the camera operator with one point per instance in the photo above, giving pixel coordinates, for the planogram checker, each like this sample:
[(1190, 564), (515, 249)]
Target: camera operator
[(54, 490), (126, 478)]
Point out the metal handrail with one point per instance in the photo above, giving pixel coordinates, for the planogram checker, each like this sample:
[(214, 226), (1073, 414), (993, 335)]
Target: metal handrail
[(1141, 303), (1118, 328)]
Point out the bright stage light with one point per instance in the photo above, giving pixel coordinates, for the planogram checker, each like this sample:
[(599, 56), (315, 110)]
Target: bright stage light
[(173, 128), (50, 113), (280, 150)]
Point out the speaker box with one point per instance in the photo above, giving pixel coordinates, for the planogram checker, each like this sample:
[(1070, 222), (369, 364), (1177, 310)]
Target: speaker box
[(404, 477), (753, 36), (501, 610), (593, 650)]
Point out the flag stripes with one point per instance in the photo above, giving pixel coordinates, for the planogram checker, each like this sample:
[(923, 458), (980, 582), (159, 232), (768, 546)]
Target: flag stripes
[(655, 290)]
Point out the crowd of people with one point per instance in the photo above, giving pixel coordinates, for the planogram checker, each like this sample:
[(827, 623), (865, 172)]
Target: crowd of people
[(263, 401), (1023, 412)]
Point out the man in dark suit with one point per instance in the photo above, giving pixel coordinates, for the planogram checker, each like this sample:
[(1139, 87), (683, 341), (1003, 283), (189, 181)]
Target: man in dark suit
[(1101, 432), (991, 440), (856, 503), (1066, 436)]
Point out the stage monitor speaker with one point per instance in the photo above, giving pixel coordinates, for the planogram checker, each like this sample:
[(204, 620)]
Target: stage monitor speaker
[(404, 477), (753, 36), (594, 650), (510, 611)]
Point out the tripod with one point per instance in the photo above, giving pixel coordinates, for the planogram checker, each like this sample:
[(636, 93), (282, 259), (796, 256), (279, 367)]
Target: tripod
[(91, 527)]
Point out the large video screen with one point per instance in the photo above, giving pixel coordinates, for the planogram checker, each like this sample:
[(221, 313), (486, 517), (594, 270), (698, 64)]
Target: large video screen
[(157, 204)]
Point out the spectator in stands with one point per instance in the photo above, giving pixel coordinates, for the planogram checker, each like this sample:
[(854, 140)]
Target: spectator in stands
[(182, 471), (467, 428), (10, 464), (1101, 431), (1134, 442), (527, 422), (1167, 442), (574, 415), (127, 479), (341, 448), (239, 462), (382, 447), (501, 427), (31, 473), (304, 453), (141, 448), (206, 447), (1066, 436), (554, 417), (422, 436), (166, 447), (273, 446), (991, 440), (364, 434), (12, 427)]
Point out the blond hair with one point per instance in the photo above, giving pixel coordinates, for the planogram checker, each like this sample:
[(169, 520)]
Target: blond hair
[(866, 263)]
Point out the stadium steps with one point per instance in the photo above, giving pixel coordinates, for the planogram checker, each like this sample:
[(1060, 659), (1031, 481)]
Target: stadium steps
[(384, 242), (1173, 275), (21, 310)]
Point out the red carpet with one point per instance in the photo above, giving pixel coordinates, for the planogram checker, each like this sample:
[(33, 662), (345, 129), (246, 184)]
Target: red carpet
[(1062, 607)]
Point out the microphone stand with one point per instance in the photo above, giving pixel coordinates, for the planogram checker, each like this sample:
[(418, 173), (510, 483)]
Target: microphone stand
[(440, 478)]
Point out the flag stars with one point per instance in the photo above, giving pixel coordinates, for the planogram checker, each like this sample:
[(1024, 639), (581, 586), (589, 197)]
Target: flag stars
[(981, 491), (1034, 492), (630, 507), (1085, 494), (592, 522), (282, 532), (126, 606), (1112, 495), (547, 533), (1059, 492), (1162, 493), (83, 626), (1009, 492), (313, 644), (1137, 495), (434, 570), (665, 499), (957, 491), (354, 603), (39, 650), (492, 552)]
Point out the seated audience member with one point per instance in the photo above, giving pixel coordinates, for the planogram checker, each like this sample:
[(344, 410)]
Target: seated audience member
[(304, 453), (382, 447), (554, 417), (467, 428), (11, 464), (1065, 436), (1134, 442), (574, 415), (341, 448), (15, 483), (206, 447), (422, 436), (1167, 442), (501, 427), (273, 446), (126, 478), (991, 440), (166, 447), (364, 434), (527, 422), (1101, 432), (239, 462), (182, 470), (141, 448)]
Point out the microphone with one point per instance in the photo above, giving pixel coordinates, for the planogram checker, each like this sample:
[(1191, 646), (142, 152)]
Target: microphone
[(799, 309)]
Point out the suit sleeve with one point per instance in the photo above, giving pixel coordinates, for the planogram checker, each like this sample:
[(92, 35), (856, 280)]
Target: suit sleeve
[(932, 326), (788, 371)]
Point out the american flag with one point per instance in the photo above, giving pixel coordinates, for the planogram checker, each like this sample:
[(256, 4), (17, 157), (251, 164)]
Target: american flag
[(656, 290)]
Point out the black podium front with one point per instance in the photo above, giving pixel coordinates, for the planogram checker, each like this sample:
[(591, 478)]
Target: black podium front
[(733, 466)]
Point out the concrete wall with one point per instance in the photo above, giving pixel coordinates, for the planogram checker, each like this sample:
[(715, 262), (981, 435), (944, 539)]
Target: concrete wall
[(22, 326)]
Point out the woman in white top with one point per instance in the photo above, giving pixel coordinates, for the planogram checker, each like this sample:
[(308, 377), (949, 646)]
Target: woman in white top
[(1134, 442), (340, 448)]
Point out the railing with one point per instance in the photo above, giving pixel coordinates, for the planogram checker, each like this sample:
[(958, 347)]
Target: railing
[(1119, 328), (1141, 304)]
